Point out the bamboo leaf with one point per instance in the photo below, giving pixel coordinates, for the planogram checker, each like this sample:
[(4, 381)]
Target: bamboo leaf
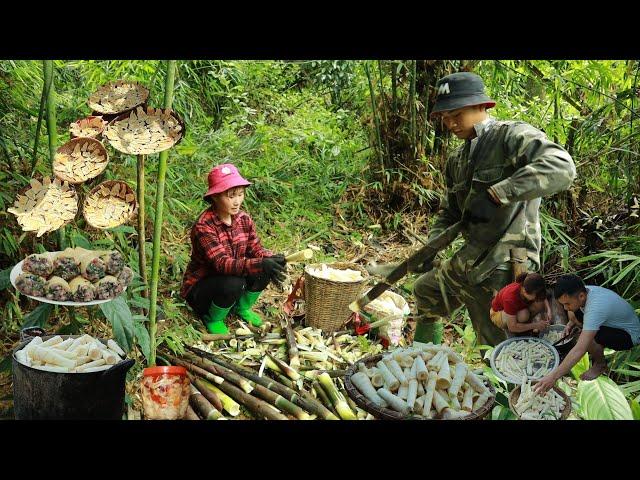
[(635, 409), (602, 399), (4, 278), (142, 337), (39, 316), (118, 313)]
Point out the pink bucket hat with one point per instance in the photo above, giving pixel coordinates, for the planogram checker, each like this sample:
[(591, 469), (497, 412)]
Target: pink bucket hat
[(223, 177)]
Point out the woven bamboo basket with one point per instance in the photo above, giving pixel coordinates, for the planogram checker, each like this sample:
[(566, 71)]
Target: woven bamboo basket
[(145, 130), (97, 211), (327, 301), (388, 414), (116, 97), (515, 394), (91, 127), (79, 167), (49, 212)]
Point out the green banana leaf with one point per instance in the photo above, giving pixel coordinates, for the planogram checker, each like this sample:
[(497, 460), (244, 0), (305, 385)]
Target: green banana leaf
[(580, 367), (602, 399)]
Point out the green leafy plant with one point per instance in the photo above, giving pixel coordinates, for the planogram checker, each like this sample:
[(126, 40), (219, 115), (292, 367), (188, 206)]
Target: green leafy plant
[(602, 399)]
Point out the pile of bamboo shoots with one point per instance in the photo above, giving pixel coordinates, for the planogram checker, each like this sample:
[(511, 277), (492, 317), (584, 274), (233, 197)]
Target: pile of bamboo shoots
[(307, 350), (532, 406), (429, 381), (84, 354), (524, 360), (335, 274), (220, 388)]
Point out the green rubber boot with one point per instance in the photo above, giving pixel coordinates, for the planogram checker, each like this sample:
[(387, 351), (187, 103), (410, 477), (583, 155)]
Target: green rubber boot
[(214, 319), (243, 308), (428, 332)]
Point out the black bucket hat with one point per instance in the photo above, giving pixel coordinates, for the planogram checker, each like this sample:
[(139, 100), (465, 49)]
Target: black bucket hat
[(458, 90)]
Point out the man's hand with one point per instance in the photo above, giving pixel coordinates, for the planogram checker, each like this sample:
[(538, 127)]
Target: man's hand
[(542, 324), (567, 329), (545, 384), (481, 208), (384, 269)]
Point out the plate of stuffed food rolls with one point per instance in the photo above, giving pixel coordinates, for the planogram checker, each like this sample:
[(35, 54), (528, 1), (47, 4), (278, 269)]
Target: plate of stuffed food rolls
[(74, 276)]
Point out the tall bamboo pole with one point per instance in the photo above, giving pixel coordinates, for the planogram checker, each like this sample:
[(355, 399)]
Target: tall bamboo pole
[(52, 131), (43, 99), (157, 226), (142, 252), (376, 121)]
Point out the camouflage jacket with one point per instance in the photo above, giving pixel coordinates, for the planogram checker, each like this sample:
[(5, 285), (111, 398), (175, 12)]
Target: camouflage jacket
[(520, 169)]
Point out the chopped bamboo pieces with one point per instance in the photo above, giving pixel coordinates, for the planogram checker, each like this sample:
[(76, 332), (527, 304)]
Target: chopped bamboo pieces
[(45, 206), (83, 354), (532, 406), (436, 383), (522, 360), (144, 131), (109, 205), (116, 97), (89, 127), (79, 160)]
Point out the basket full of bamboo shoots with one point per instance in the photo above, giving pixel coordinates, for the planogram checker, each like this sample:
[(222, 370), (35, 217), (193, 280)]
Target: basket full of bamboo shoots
[(328, 291), (527, 405), (420, 382)]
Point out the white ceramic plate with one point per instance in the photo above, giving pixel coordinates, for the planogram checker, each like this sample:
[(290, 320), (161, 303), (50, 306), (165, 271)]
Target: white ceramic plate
[(17, 270)]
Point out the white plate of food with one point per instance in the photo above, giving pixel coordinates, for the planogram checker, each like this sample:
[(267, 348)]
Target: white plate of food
[(69, 276)]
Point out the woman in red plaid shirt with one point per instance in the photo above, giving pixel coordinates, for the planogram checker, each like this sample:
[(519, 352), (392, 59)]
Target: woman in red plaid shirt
[(229, 268)]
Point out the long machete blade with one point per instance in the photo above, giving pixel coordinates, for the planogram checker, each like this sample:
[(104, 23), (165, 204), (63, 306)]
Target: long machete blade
[(427, 252)]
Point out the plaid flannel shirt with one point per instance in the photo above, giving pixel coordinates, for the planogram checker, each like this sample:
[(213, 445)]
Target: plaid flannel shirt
[(221, 249)]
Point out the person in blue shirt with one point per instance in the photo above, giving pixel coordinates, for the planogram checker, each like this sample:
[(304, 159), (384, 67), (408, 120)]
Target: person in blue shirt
[(608, 321)]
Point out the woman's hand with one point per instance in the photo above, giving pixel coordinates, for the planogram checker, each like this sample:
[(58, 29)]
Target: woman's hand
[(274, 268)]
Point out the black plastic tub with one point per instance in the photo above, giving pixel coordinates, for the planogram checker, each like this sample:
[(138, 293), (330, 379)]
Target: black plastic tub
[(42, 395)]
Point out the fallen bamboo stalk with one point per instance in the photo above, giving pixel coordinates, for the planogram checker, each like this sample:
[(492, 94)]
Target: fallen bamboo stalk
[(336, 397), (196, 369), (202, 405), (323, 397), (257, 406), (191, 414), (294, 359), (230, 376), (310, 405), (265, 394), (206, 392), (290, 372)]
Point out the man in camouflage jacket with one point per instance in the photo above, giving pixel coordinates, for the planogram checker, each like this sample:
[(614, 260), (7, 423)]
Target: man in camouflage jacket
[(498, 201)]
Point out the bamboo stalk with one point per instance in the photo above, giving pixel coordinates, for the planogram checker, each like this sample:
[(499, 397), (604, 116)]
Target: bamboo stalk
[(202, 405), (290, 372), (191, 414), (337, 399), (200, 369), (376, 121), (157, 227), (142, 250), (207, 393), (266, 394), (310, 405), (257, 406), (323, 397), (43, 98), (412, 106), (52, 131), (225, 374), (228, 404), (294, 358)]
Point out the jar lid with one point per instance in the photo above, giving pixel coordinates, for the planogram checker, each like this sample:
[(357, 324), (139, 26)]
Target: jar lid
[(171, 370)]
